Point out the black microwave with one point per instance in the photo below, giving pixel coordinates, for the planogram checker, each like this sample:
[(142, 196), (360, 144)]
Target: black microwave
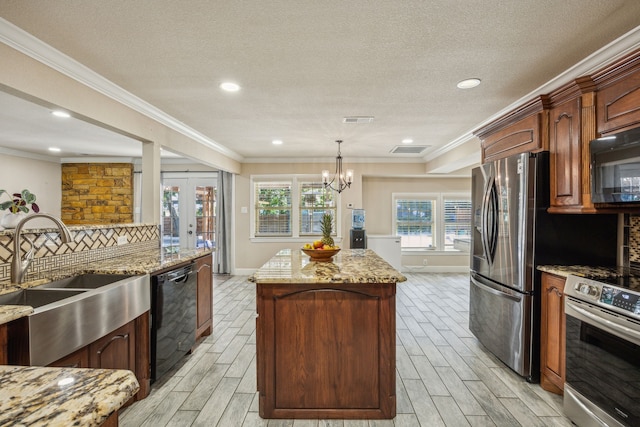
[(615, 168)]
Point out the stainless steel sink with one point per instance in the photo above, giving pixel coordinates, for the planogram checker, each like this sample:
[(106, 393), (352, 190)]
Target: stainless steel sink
[(37, 297), (72, 313), (86, 281)]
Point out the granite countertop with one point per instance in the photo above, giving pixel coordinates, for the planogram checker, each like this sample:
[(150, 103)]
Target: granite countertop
[(145, 262), (593, 272), (37, 396), (348, 266)]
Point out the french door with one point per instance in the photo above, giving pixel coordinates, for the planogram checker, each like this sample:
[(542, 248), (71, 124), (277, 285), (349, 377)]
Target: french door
[(188, 213)]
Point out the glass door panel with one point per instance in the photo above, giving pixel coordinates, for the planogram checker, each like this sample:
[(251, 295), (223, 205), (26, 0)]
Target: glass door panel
[(205, 217), (188, 213)]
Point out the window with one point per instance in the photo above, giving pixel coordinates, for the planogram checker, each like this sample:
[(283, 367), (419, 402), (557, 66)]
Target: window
[(457, 220), (274, 202), (431, 221), (273, 208), (415, 222), (315, 201)]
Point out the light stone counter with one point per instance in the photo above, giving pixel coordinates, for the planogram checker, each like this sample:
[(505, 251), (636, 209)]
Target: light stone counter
[(145, 262), (33, 396), (13, 312), (593, 272), (348, 266)]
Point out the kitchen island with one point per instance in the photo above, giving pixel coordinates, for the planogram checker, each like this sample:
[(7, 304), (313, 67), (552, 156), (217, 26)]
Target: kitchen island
[(326, 335)]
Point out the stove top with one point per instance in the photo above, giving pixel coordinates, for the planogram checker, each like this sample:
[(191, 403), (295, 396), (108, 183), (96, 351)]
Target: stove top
[(616, 289)]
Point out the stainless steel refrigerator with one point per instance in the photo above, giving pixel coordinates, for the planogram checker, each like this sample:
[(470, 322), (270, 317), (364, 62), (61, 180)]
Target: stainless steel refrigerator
[(511, 234)]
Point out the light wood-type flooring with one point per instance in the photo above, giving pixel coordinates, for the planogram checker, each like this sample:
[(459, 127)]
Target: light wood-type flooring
[(444, 376)]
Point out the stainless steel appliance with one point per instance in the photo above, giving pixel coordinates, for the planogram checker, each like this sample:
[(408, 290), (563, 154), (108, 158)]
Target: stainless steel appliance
[(511, 234), (173, 318), (602, 385), (615, 168)]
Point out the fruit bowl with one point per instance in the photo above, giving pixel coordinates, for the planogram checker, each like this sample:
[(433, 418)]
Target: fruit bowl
[(320, 255)]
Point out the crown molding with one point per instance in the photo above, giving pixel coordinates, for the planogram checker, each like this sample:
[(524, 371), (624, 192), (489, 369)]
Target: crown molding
[(29, 45), (609, 53)]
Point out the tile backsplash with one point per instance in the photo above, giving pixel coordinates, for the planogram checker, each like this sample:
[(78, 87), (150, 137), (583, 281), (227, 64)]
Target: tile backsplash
[(631, 243), (90, 244)]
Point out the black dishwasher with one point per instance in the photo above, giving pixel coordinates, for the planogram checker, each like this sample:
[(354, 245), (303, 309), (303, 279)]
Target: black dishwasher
[(173, 318)]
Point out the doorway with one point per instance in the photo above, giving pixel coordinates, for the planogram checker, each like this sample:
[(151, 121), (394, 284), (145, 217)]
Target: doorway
[(188, 212)]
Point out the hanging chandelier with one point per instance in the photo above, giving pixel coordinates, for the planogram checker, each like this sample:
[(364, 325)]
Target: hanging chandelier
[(340, 180)]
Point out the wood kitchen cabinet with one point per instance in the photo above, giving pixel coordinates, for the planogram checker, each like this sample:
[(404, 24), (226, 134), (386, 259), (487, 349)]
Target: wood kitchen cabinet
[(77, 359), (326, 350), (125, 348), (552, 334), (618, 97), (520, 131), (4, 358), (571, 127), (116, 350), (204, 267)]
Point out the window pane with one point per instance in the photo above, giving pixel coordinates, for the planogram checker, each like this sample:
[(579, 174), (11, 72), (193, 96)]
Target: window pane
[(414, 223), (315, 200), (273, 208), (171, 218), (457, 220), (205, 216)]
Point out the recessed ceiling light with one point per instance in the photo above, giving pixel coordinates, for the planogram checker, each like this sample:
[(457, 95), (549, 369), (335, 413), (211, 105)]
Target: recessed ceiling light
[(229, 86), (468, 83), (54, 149), (61, 113), (277, 142), (407, 141)]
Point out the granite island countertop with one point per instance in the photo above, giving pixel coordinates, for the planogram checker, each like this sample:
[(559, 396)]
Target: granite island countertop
[(35, 396), (347, 266)]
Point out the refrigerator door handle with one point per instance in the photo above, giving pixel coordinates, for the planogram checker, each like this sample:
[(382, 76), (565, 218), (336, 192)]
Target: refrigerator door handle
[(489, 220), (493, 291)]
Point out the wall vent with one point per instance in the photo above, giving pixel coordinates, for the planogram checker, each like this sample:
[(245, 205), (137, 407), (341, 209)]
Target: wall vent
[(357, 119), (409, 149)]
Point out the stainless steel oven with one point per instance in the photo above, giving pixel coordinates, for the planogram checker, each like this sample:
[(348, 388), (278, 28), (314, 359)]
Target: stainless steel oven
[(602, 386)]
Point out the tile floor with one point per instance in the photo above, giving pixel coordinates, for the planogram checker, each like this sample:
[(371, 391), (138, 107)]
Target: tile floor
[(444, 376)]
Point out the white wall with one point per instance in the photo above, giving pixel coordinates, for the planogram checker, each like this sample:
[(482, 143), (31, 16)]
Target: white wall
[(377, 196), (42, 178), (369, 191)]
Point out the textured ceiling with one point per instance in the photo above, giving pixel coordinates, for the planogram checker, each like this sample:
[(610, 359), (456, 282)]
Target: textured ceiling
[(304, 65)]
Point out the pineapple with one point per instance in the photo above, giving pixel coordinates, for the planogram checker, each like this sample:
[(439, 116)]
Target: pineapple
[(326, 226)]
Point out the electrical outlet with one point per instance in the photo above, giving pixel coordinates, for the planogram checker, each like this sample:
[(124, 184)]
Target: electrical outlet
[(424, 261), (122, 240)]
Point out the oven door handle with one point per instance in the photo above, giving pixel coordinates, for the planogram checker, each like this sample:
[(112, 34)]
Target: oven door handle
[(608, 325)]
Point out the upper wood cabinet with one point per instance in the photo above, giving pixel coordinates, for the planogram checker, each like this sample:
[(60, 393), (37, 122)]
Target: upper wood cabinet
[(618, 100), (571, 127), (520, 131)]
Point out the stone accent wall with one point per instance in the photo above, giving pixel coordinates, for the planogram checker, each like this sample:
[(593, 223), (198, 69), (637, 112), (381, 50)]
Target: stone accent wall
[(97, 193)]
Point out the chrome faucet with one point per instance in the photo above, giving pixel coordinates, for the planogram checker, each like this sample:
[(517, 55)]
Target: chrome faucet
[(18, 265)]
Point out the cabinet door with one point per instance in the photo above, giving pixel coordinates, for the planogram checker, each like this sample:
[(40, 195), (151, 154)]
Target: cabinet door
[(205, 295), (77, 359), (552, 334), (618, 105), (4, 357), (116, 350), (566, 154), (520, 137)]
